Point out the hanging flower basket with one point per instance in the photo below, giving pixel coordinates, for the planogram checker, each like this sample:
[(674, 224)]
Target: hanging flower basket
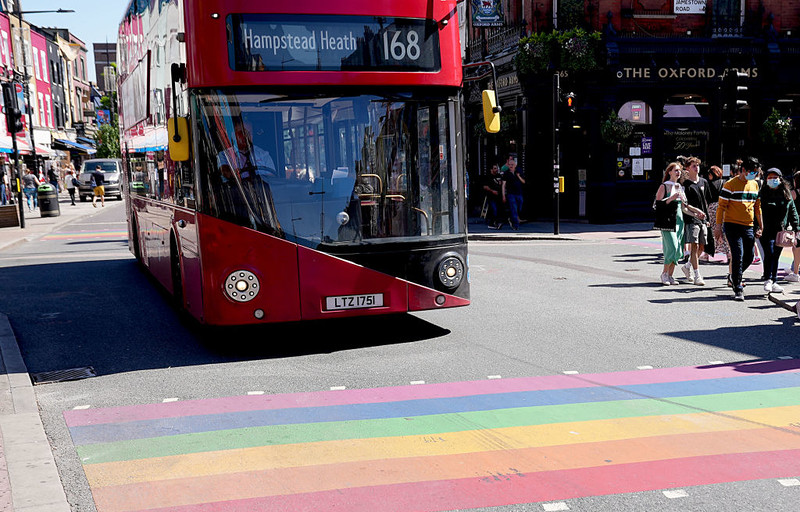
[(615, 130), (776, 129)]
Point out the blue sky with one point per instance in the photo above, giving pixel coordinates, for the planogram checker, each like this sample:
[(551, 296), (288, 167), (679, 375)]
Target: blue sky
[(94, 21)]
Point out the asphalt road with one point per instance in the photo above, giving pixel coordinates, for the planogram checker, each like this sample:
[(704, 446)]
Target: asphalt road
[(540, 308)]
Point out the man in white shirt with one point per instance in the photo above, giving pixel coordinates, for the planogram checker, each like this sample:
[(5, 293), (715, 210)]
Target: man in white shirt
[(245, 157)]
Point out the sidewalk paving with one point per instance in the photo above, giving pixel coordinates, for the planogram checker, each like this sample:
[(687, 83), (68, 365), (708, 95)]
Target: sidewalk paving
[(568, 230), (36, 225), (29, 479)]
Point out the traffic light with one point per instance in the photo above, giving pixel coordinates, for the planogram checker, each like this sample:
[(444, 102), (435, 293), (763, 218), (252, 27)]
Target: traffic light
[(571, 102), (735, 90), (11, 109)]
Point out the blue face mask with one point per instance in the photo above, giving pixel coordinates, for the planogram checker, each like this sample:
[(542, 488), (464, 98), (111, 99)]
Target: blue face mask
[(773, 182), (750, 176)]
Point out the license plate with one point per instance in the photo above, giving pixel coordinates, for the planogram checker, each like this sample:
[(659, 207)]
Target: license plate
[(369, 300)]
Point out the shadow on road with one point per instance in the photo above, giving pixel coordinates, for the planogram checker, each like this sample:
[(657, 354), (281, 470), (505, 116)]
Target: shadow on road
[(110, 315)]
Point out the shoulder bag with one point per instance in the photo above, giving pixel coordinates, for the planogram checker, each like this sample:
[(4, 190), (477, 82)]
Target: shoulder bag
[(666, 214), (785, 237)]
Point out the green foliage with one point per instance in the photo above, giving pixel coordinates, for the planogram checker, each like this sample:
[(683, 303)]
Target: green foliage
[(572, 50), (107, 142), (570, 13), (776, 129), (615, 130)]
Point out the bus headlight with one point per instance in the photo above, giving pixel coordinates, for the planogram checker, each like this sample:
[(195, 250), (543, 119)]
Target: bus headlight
[(342, 218), (242, 286), (451, 272)]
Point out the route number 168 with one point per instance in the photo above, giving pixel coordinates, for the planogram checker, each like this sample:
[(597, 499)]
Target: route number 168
[(394, 47)]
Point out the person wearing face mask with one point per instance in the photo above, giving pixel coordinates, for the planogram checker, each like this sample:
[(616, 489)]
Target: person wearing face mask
[(739, 206), (778, 211)]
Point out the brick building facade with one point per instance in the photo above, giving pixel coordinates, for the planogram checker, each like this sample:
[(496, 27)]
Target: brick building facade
[(663, 68)]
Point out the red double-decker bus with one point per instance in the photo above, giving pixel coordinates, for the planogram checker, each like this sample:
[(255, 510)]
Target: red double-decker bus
[(295, 159)]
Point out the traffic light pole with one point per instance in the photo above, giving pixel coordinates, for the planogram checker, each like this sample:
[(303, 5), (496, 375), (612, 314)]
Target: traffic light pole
[(14, 126), (19, 181), (556, 158)]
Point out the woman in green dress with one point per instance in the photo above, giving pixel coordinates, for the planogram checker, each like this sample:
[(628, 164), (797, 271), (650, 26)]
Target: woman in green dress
[(672, 241)]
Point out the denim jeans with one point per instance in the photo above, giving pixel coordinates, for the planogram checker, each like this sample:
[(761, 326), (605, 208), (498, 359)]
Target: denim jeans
[(771, 254), (741, 241), (514, 207), (3, 200), (31, 193)]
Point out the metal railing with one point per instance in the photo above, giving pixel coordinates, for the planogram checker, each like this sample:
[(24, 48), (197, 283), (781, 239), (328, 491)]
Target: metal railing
[(726, 26), (499, 40)]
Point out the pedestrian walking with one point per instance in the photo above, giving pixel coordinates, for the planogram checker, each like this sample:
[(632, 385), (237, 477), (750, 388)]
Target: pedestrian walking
[(513, 180), (52, 177), (793, 276), (30, 185), (716, 182), (71, 183), (493, 190), (696, 229), (98, 189), (739, 208), (671, 191), (778, 212), (3, 197)]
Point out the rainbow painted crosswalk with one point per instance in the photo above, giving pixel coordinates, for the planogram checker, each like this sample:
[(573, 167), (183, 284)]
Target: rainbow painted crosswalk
[(447, 446)]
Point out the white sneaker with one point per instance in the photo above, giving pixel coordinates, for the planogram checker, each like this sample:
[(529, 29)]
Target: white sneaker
[(687, 271), (776, 288), (672, 280), (698, 279), (792, 277), (768, 286), (665, 280)]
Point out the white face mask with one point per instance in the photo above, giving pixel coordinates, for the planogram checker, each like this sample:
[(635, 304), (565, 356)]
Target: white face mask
[(773, 182)]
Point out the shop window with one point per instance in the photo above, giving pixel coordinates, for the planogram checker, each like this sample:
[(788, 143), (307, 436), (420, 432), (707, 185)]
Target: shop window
[(685, 106), (634, 158), (637, 112)]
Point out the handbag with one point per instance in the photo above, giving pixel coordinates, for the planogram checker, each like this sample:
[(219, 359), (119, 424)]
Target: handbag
[(666, 215), (785, 238)]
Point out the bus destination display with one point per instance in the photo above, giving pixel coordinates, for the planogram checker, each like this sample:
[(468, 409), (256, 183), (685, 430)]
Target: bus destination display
[(271, 42)]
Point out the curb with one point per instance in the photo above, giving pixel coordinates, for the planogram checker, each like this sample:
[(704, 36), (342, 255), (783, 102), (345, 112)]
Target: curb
[(34, 480), (480, 237)]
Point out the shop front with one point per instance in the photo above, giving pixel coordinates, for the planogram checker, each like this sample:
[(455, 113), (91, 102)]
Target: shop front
[(673, 99)]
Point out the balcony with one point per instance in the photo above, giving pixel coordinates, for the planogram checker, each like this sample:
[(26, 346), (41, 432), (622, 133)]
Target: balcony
[(499, 41), (726, 26)]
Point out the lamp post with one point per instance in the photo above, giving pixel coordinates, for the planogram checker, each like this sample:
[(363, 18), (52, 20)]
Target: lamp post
[(26, 89)]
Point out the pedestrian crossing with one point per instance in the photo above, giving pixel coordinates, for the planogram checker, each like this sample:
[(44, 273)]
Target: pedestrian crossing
[(86, 235), (447, 446)]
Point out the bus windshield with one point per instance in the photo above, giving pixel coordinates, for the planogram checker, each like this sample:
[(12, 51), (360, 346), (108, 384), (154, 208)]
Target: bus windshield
[(322, 169)]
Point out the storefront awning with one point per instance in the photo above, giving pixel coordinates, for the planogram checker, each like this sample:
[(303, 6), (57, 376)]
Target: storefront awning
[(6, 146), (69, 145), (85, 141)]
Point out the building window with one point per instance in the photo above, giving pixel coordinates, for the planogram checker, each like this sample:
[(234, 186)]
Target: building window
[(36, 63), (637, 112), (686, 106)]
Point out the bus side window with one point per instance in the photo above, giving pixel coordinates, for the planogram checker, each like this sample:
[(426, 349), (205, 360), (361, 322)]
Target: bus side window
[(185, 186)]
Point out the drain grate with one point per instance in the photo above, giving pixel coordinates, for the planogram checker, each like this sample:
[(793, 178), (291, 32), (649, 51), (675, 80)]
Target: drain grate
[(63, 375)]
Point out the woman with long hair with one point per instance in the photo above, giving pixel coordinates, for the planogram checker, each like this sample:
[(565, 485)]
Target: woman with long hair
[(670, 191)]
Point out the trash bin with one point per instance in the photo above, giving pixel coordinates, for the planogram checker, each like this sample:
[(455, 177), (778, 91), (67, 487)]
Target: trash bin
[(48, 201)]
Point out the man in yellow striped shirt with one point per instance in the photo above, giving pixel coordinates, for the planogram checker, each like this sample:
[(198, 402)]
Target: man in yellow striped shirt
[(739, 206)]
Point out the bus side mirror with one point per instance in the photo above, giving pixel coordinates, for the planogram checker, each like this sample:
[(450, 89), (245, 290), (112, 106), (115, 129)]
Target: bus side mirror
[(178, 146), (491, 112)]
